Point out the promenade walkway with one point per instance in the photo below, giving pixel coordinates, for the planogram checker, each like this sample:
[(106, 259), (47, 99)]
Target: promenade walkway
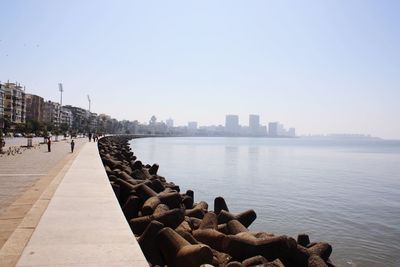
[(23, 179), (76, 221)]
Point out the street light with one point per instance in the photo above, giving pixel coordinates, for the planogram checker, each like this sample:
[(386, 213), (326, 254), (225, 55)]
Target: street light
[(89, 119), (88, 97), (60, 88)]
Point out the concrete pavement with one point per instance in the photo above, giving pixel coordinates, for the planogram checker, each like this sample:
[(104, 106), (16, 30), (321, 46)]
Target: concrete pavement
[(58, 209), (83, 224), (24, 178)]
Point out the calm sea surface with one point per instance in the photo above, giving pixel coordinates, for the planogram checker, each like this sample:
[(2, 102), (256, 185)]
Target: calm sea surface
[(345, 192)]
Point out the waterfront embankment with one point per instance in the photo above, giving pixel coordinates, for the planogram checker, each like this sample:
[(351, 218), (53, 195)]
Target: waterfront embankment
[(74, 217), (175, 230)]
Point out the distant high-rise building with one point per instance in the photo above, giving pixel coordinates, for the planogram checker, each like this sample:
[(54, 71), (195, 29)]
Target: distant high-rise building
[(192, 126), (254, 124), (34, 107), (170, 123), (273, 129), (232, 124), (281, 130), (292, 132), (263, 130)]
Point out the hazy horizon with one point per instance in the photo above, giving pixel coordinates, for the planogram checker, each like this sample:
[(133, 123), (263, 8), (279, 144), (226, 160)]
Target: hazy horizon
[(321, 67)]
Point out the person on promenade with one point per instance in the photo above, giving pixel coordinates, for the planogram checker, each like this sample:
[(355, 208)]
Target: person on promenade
[(90, 137), (49, 144), (72, 146), (94, 137)]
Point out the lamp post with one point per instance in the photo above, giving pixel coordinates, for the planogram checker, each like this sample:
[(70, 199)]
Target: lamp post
[(90, 101), (60, 88), (89, 119)]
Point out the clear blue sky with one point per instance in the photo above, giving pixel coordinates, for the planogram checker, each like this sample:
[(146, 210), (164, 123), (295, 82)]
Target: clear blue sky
[(320, 66)]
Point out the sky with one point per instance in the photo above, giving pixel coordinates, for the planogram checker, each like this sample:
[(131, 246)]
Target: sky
[(322, 67)]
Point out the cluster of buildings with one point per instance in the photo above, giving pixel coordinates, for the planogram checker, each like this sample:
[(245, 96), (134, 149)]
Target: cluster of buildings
[(17, 106), (254, 128), (231, 128)]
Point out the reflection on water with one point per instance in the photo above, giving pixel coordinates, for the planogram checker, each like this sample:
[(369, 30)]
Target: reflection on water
[(345, 192)]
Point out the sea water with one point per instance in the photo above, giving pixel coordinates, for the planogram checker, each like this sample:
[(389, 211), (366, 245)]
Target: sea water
[(342, 191)]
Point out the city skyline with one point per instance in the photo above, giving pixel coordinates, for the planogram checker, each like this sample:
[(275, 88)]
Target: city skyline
[(37, 109), (322, 67), (30, 113)]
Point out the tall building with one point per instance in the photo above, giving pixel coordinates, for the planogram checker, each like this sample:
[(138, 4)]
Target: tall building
[(263, 130), (292, 132), (232, 124), (192, 126), (170, 123), (66, 117), (281, 130), (254, 124), (51, 113), (273, 129), (80, 117), (14, 102), (34, 107), (2, 96)]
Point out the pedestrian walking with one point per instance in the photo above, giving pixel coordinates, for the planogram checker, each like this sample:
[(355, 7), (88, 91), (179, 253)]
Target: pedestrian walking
[(72, 146), (94, 137), (90, 137), (49, 144)]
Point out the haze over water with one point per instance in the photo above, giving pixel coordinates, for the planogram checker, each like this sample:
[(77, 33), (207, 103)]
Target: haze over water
[(344, 192)]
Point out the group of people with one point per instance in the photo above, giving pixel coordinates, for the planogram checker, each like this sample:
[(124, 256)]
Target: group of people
[(94, 136), (49, 145)]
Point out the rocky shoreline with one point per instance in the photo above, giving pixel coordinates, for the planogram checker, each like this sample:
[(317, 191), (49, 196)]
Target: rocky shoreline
[(174, 230)]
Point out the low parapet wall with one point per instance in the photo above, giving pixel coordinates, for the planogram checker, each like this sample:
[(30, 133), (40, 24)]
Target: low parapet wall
[(83, 224)]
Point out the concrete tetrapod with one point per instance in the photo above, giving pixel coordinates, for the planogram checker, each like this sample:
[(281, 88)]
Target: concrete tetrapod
[(246, 218), (171, 218), (198, 210), (220, 204), (254, 261), (219, 258), (241, 248), (147, 242), (303, 239), (178, 252), (210, 221)]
